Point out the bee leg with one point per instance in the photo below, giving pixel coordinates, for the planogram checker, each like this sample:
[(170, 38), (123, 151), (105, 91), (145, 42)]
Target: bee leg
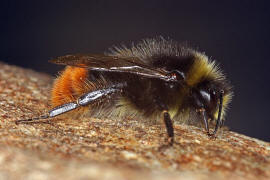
[(169, 126), (220, 121), (205, 121), (52, 113), (84, 100)]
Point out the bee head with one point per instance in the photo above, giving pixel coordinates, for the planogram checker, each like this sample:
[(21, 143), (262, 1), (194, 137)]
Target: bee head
[(207, 95)]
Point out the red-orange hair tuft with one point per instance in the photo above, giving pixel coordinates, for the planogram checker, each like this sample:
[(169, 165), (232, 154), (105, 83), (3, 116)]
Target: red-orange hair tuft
[(69, 85)]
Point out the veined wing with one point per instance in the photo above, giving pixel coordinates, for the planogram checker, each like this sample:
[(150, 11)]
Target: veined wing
[(99, 62)]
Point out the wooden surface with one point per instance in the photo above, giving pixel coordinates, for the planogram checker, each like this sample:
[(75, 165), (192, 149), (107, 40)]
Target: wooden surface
[(88, 148)]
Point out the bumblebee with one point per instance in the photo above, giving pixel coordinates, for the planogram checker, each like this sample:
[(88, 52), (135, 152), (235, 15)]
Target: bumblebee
[(156, 78)]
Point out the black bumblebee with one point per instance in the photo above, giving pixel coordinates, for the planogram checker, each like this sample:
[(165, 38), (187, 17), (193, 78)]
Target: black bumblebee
[(155, 78)]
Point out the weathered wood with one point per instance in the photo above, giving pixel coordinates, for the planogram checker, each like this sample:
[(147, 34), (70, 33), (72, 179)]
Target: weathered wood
[(74, 148)]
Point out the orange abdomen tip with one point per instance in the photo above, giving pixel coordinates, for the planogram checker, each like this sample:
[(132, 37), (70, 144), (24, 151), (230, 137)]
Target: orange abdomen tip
[(69, 85)]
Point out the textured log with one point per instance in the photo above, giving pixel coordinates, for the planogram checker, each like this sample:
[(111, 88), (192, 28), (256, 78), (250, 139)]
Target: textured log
[(74, 148)]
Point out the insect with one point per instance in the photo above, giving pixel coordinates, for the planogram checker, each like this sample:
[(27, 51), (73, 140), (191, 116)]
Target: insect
[(157, 78)]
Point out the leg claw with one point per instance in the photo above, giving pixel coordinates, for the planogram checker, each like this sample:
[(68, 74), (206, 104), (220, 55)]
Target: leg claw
[(211, 136)]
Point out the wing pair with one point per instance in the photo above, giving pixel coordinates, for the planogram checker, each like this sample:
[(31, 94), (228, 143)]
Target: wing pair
[(98, 62)]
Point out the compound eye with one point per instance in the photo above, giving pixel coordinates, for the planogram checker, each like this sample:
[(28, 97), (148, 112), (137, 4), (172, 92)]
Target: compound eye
[(205, 95)]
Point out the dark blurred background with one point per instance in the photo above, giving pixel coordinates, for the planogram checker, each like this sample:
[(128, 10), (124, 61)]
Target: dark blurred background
[(235, 33)]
